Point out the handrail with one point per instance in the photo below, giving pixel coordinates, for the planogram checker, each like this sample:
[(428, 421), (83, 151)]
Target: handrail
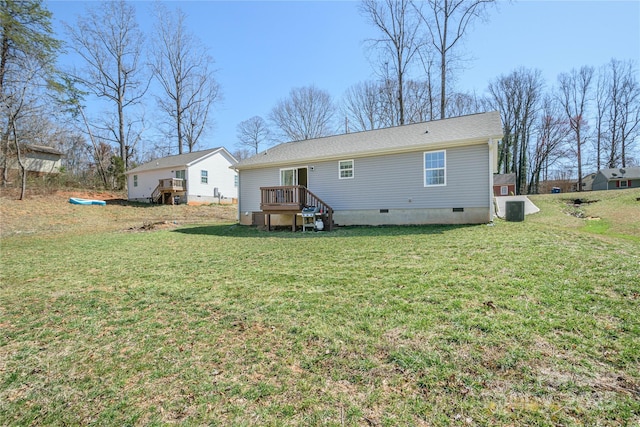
[(293, 198), (156, 194), (172, 184), (168, 185)]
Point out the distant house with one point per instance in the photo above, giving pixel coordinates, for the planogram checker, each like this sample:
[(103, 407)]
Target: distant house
[(587, 183), (438, 172), (616, 179), (504, 184), (39, 160), (197, 177)]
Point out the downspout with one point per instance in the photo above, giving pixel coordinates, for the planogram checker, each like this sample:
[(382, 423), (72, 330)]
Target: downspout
[(492, 207), (239, 186)]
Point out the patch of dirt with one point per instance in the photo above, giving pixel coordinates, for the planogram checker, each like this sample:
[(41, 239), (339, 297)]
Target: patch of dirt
[(579, 202), (154, 226), (52, 213)]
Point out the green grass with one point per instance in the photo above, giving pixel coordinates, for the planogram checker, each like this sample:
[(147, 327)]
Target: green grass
[(531, 323)]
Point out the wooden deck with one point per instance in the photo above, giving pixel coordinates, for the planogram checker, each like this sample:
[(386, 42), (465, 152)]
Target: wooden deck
[(290, 200), (168, 189)]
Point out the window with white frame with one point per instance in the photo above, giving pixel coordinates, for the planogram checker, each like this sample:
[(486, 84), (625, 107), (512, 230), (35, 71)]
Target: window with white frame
[(504, 190), (181, 174), (435, 168), (235, 180), (135, 180), (204, 177), (345, 168)]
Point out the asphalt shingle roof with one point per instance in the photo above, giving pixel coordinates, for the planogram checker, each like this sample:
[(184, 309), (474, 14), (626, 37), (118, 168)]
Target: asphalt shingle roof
[(42, 149), (621, 173), (504, 179), (438, 133), (173, 161)]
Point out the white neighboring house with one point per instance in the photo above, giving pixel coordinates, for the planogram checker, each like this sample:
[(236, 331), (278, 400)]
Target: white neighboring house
[(193, 178)]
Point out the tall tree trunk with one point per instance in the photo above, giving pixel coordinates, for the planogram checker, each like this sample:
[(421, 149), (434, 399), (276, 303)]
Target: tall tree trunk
[(23, 169), (579, 158), (179, 118), (443, 65), (400, 89)]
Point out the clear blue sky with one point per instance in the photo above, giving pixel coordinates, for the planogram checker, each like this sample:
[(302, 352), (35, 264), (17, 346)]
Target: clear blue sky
[(264, 48)]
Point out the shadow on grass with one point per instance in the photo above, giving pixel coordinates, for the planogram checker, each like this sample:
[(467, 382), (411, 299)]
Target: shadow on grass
[(243, 231)]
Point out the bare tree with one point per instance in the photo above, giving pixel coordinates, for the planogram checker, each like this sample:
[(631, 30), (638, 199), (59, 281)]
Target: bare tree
[(307, 113), (448, 21), (602, 101), (25, 111), (551, 132), (389, 107), (242, 153), (574, 96), (183, 67), (517, 97), (622, 114), (18, 108), (399, 41), (109, 41), (253, 133), (419, 101), (361, 107), (27, 54), (461, 104)]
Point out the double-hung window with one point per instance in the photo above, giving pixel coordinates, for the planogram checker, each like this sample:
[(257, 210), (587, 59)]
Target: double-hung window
[(204, 177), (135, 180), (345, 168), (435, 168)]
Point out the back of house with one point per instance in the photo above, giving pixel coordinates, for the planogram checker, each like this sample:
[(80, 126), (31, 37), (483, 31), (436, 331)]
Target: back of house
[(438, 172)]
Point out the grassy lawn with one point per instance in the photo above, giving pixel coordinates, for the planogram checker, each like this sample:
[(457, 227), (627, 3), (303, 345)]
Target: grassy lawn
[(203, 322)]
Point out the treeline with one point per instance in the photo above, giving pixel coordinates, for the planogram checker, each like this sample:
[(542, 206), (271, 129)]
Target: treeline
[(586, 120), (46, 105)]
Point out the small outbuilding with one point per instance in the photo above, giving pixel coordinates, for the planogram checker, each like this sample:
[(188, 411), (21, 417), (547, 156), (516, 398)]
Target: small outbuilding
[(39, 160), (616, 179), (504, 184)]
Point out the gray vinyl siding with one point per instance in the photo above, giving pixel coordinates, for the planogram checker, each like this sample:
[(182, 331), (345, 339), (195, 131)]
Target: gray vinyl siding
[(250, 182), (393, 181), (397, 182), (599, 183)]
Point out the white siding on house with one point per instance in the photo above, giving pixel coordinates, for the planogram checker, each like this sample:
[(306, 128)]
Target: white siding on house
[(147, 182), (219, 175)]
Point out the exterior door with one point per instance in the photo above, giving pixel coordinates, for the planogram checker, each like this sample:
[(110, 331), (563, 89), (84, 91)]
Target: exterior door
[(293, 176)]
